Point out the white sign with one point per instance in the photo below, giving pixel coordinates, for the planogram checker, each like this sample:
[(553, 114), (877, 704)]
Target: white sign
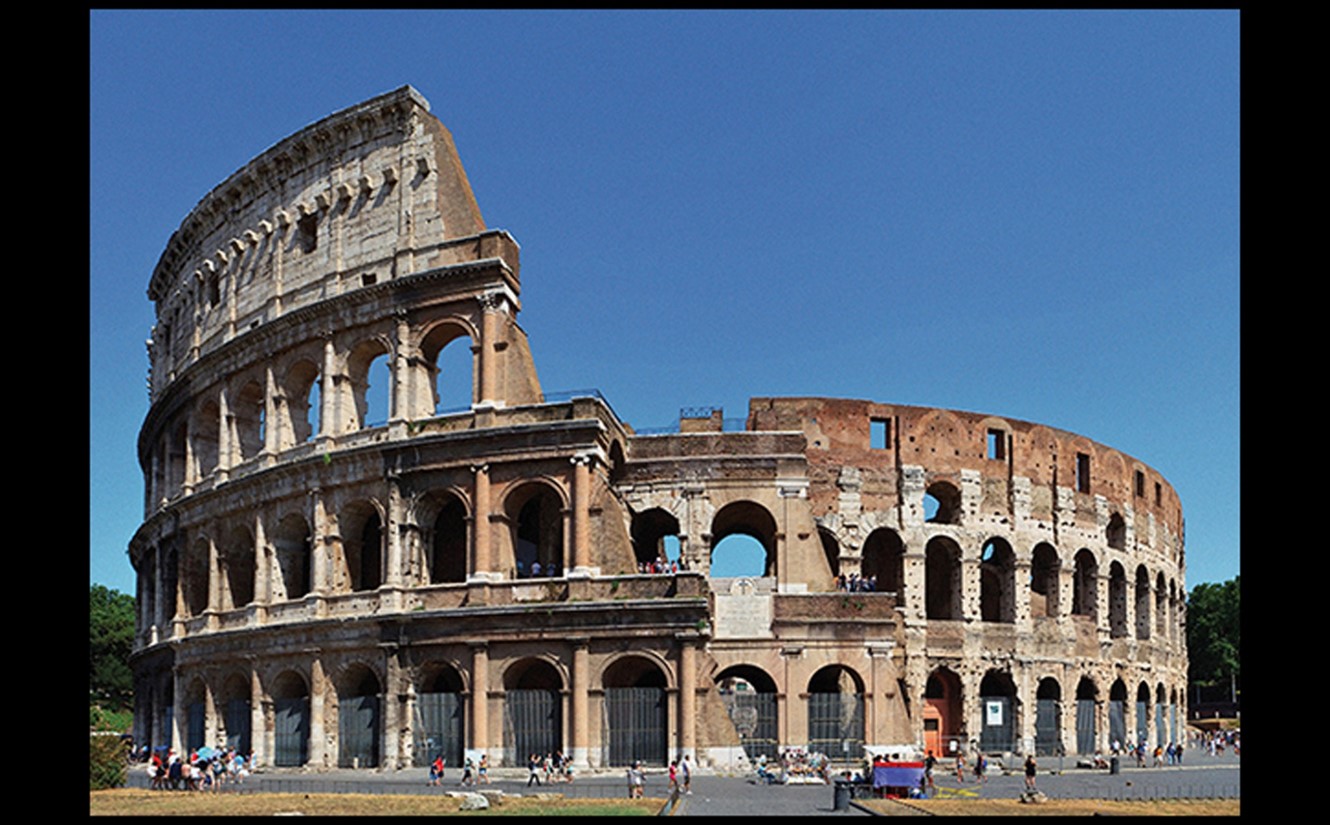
[(992, 713)]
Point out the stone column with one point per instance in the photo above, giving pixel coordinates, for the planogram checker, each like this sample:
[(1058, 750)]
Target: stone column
[(179, 715), (581, 674), (401, 407), (262, 565), (582, 516), (687, 697), (491, 304), (480, 688), (223, 437), (481, 564), (328, 425), (260, 736), (214, 577), (392, 527), (271, 428), (318, 751), (320, 548)]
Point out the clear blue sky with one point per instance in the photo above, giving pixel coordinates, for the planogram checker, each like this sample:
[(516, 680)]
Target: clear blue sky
[(1031, 214)]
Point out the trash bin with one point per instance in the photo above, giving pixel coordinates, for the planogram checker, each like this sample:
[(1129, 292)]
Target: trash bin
[(840, 800), (1113, 765)]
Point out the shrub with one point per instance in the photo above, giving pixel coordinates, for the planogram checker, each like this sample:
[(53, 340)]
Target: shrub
[(106, 762)]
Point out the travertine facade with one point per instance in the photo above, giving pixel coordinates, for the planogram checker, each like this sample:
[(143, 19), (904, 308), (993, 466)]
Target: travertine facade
[(335, 591)]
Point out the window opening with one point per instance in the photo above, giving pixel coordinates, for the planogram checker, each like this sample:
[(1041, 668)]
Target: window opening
[(879, 430), (309, 235), (1140, 484), (1082, 473), (997, 445)]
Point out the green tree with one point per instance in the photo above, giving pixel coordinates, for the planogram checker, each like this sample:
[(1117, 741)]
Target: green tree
[(1214, 633), (110, 641)]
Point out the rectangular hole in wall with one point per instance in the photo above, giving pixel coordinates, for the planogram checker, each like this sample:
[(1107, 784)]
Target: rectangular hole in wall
[(1082, 473), (879, 433), (997, 445)]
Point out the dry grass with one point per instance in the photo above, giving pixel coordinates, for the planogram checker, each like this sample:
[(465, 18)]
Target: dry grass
[(137, 802), (1061, 807)]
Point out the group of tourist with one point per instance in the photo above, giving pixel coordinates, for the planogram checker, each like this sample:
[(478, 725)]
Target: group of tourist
[(795, 766), (206, 769), (473, 772), (854, 583), (554, 766), (537, 570), (660, 566), (1214, 742)]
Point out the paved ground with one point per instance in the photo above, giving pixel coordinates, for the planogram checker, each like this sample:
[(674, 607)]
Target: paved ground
[(1201, 777)]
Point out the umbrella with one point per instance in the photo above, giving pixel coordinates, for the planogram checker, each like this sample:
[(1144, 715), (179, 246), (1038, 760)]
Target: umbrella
[(207, 753)]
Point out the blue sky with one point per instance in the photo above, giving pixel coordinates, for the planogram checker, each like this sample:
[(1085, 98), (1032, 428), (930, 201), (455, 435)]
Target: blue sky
[(1032, 214)]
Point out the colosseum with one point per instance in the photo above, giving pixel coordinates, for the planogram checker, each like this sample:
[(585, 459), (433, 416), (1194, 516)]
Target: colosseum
[(331, 590)]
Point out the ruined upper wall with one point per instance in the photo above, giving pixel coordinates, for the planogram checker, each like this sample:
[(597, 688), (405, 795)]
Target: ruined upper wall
[(371, 193), (949, 443)]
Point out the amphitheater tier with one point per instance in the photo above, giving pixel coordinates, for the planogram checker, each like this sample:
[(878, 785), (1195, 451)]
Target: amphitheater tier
[(490, 567)]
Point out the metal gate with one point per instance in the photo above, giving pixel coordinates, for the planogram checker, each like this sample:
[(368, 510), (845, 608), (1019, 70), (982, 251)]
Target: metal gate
[(1161, 725), (290, 732), (754, 718), (1117, 722), (1173, 724), (440, 728), (1047, 727), (194, 735), (532, 723), (1085, 732), (1142, 723), (358, 732), (998, 731), (836, 725), (237, 725), (636, 726)]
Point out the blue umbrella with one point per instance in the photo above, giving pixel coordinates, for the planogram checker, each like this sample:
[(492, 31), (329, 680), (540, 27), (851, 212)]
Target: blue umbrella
[(207, 753)]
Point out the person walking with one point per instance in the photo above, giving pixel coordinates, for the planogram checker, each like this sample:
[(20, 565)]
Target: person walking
[(687, 771), (533, 770), (1030, 769), (960, 766)]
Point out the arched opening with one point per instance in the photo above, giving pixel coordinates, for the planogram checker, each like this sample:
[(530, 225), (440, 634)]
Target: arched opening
[(942, 579), (358, 710), (440, 723), (1117, 716), (236, 712), (636, 716), (194, 578), (248, 413), (447, 349), (370, 370), (743, 541), (290, 699), (1161, 716), (1048, 718), (532, 711), (650, 531), (997, 582), (830, 550), (1087, 736), (196, 715), (204, 432), (1161, 607), (997, 696), (1115, 535), (291, 545), (1044, 571), (236, 560), (175, 461), (836, 713), (944, 732), (447, 560), (1117, 601), (749, 696), (1085, 591), (884, 559), (942, 503), (1142, 713), (362, 547), (301, 388), (536, 513), (1142, 603)]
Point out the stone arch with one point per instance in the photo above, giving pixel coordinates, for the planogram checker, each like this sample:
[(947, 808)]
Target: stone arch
[(535, 511), (532, 709), (947, 497), (196, 714), (204, 433), (236, 565), (446, 538), (1085, 586), (997, 581), (1044, 574), (1087, 734), (302, 414), (439, 723), (293, 549), (248, 411), (830, 550), (359, 716), (1001, 707), (363, 536), (944, 722), (448, 349), (745, 518), (1142, 713), (942, 578), (636, 716), (1142, 603), (749, 695), (884, 557), (648, 531), (235, 704), (617, 462), (836, 712), (1117, 601), (1117, 715), (1048, 717), (1161, 606), (1115, 534), (194, 576), (364, 366)]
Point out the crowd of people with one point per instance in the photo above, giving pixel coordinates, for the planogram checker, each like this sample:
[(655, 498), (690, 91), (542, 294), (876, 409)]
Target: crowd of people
[(662, 566), (553, 766), (853, 583), (205, 769), (794, 766)]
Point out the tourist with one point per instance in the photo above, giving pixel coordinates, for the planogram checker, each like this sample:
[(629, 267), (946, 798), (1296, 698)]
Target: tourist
[(484, 769), (1030, 769), (687, 771)]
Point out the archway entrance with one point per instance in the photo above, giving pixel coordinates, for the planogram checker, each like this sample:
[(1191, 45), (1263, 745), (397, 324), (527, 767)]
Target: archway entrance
[(290, 697), (532, 711), (440, 720), (358, 706), (942, 714), (636, 716), (749, 696), (836, 713)]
